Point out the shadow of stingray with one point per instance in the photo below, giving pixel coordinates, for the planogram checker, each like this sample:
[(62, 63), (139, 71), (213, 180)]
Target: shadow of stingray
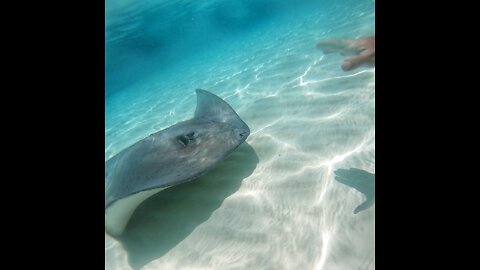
[(165, 219), (360, 180)]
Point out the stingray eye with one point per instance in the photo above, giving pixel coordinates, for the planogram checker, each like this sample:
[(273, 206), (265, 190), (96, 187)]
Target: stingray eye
[(183, 140)]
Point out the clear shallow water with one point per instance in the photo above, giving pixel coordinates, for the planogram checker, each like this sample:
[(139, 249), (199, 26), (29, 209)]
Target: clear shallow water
[(273, 204)]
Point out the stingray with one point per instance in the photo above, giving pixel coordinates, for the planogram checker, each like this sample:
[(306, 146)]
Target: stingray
[(360, 180), (175, 155)]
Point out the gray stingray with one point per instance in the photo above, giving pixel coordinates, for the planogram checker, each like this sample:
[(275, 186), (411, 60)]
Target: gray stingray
[(175, 155), (360, 180)]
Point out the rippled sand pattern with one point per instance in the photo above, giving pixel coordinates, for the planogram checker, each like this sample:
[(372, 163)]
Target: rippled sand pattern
[(274, 203)]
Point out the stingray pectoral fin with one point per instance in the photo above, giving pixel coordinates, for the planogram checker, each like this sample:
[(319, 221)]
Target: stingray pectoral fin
[(118, 214), (213, 108)]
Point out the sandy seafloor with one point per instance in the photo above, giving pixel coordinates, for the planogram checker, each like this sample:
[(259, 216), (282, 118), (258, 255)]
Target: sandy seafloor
[(273, 204)]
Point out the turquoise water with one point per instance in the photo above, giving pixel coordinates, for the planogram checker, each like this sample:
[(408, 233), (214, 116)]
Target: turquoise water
[(273, 204)]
